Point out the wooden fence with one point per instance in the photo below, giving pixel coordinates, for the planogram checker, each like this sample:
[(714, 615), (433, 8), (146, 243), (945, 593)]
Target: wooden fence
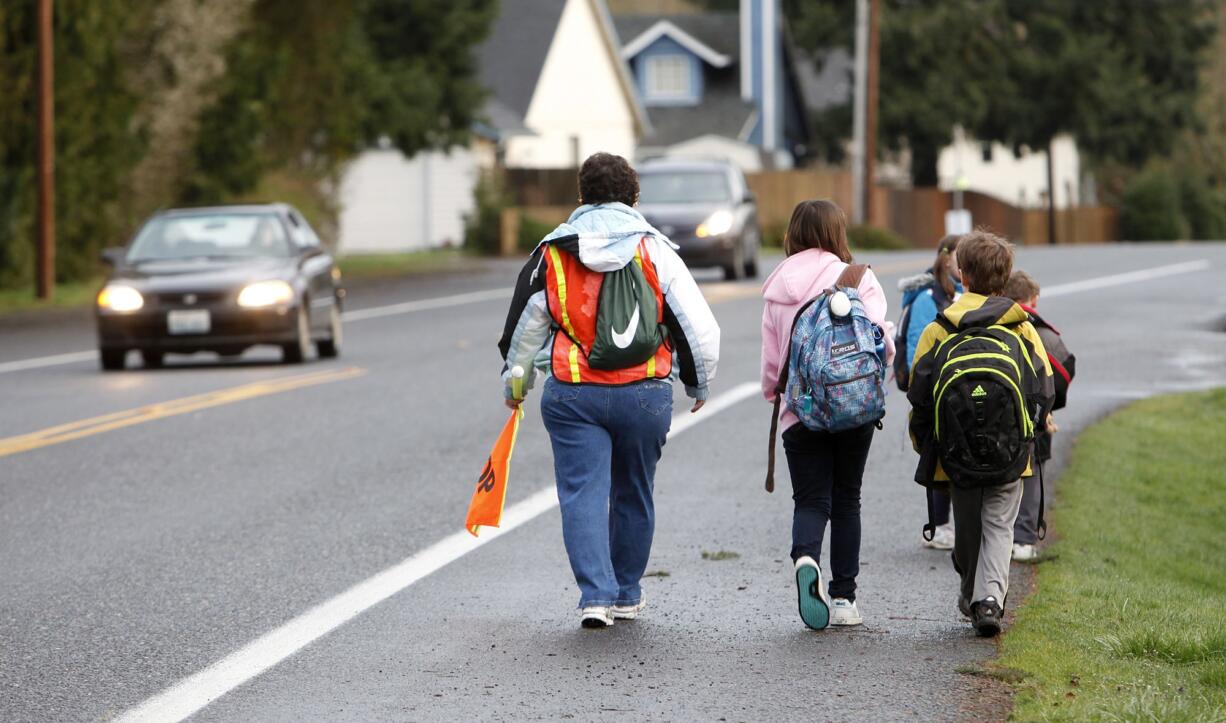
[(916, 214)]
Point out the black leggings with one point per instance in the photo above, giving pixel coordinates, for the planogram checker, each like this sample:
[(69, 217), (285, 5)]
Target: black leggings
[(827, 470)]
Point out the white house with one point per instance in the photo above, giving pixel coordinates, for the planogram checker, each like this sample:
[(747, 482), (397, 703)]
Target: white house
[(556, 65), (559, 91), (1021, 180)]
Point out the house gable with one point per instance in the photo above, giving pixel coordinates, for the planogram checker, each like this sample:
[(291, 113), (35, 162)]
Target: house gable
[(584, 100), (668, 73), (667, 29)]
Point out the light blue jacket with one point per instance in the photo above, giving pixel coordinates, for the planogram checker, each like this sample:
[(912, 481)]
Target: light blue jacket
[(919, 294)]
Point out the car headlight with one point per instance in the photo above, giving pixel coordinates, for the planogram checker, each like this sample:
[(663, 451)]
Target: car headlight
[(717, 223), (265, 293), (117, 297)]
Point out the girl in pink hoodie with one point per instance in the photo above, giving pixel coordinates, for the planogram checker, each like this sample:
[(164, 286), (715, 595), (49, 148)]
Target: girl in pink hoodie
[(826, 468)]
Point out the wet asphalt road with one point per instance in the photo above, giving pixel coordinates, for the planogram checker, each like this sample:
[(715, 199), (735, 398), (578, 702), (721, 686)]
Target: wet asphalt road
[(132, 558)]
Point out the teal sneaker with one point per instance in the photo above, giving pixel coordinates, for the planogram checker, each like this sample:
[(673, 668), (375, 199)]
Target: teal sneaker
[(811, 593)]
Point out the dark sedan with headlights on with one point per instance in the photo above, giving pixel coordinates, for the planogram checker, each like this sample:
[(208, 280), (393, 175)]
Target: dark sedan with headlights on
[(220, 279), (705, 207)]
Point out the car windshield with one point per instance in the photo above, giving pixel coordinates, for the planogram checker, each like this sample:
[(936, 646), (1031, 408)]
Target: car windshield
[(221, 235), (683, 187)]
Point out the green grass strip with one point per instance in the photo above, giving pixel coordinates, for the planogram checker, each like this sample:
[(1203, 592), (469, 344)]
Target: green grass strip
[(67, 295), (1128, 619)]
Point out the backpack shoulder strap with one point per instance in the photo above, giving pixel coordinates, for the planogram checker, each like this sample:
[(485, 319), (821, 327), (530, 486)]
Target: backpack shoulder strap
[(851, 276), (944, 322), (781, 387)]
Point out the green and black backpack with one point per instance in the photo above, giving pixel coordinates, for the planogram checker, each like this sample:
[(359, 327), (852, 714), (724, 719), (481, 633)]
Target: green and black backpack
[(627, 329), (986, 398)]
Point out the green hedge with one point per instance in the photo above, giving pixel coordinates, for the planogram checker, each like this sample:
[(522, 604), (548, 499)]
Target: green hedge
[(876, 238), (1159, 204)]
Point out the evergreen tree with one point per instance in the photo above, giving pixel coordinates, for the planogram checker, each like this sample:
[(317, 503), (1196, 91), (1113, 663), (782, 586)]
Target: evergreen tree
[(1120, 76)]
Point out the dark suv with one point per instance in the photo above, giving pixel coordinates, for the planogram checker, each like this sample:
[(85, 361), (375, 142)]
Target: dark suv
[(706, 208)]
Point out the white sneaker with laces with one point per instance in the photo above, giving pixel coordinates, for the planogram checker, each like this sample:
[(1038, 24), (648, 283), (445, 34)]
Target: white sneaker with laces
[(942, 538), (630, 612), (844, 612), (596, 617), (1025, 553)]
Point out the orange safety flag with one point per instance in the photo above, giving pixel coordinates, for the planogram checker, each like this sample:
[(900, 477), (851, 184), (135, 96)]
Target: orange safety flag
[(491, 493)]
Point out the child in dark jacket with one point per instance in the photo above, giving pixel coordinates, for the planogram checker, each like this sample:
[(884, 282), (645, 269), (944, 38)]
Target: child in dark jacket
[(1023, 289), (984, 510), (923, 297)]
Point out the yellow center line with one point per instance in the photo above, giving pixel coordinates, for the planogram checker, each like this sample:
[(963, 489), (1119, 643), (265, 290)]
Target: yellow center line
[(161, 410)]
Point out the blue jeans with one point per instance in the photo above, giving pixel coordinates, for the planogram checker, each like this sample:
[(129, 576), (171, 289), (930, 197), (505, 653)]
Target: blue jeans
[(606, 442)]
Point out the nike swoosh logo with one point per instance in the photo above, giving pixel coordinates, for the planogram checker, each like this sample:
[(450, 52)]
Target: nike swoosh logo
[(622, 340)]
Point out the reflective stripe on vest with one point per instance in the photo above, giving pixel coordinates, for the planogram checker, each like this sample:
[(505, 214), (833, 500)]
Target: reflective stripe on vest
[(573, 294)]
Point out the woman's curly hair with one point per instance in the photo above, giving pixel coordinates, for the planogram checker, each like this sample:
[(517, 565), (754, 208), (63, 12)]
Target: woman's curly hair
[(608, 178)]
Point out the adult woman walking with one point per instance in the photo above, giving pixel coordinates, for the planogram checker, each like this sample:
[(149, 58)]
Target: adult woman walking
[(609, 312)]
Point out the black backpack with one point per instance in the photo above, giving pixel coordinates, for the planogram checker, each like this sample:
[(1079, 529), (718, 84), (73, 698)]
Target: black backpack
[(986, 398), (902, 372)]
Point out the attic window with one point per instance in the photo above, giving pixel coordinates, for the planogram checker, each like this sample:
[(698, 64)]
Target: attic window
[(668, 77)]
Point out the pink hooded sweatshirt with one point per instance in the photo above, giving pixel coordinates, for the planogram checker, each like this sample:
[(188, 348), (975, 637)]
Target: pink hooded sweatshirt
[(799, 278)]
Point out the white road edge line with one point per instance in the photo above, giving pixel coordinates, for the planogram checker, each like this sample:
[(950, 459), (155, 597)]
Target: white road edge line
[(193, 693), (1125, 278), (407, 307), (48, 361), (375, 312)]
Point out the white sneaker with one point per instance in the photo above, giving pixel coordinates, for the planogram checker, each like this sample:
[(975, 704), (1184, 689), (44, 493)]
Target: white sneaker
[(812, 598), (844, 612), (942, 538), (596, 617), (1025, 553), (630, 612)]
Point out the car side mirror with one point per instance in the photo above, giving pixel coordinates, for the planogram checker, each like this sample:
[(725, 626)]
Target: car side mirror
[(113, 256)]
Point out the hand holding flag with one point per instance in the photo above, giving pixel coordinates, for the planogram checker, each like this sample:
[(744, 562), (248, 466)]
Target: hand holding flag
[(490, 497)]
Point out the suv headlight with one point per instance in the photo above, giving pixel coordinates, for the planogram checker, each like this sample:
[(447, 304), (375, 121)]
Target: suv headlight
[(120, 298), (717, 223), (265, 293)]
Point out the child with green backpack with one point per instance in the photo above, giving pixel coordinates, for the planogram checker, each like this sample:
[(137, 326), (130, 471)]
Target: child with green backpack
[(979, 386)]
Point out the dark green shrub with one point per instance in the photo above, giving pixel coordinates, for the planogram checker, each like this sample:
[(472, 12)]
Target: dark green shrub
[(1204, 208), (1151, 207), (531, 231), (483, 226), (875, 238), (772, 236)]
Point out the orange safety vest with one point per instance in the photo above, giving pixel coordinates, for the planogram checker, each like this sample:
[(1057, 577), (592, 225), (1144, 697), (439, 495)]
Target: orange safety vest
[(573, 292)]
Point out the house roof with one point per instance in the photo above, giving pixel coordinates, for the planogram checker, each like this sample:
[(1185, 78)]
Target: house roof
[(719, 34), (512, 58), (826, 83), (513, 55), (723, 112), (666, 28)]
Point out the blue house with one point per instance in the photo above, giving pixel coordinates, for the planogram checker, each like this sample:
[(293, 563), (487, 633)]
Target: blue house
[(718, 84)]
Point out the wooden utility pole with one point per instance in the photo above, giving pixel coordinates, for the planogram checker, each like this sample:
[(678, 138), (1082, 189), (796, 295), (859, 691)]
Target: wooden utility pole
[(870, 112), (45, 282)]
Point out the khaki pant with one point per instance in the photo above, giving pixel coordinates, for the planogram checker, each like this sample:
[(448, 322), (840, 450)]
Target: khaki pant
[(983, 538)]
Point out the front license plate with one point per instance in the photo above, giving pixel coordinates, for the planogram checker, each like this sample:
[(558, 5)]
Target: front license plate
[(188, 321)]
